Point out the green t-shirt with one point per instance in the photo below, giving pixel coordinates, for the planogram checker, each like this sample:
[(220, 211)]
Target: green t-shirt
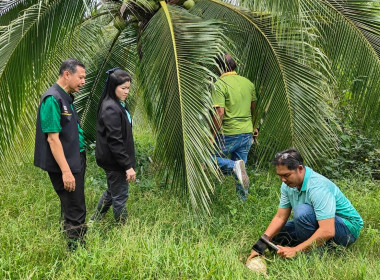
[(234, 93), (50, 115), (326, 199)]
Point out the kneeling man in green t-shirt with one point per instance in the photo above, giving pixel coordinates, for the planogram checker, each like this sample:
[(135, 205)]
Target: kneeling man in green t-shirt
[(321, 212)]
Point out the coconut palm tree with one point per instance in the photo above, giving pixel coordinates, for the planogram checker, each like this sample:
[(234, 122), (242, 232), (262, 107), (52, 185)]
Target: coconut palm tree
[(296, 53)]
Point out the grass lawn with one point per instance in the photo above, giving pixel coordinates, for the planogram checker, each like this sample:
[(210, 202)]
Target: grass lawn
[(163, 238)]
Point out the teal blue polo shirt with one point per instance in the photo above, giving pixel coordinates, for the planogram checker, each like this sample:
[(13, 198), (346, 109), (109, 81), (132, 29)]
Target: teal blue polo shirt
[(128, 115), (325, 197)]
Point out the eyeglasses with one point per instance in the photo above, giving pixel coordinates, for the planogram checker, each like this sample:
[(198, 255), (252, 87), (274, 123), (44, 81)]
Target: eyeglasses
[(283, 156)]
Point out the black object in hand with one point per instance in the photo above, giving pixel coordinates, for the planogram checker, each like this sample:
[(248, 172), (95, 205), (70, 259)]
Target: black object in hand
[(261, 245), (265, 238)]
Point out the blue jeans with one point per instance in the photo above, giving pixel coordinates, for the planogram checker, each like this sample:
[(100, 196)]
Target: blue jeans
[(237, 146), (303, 226)]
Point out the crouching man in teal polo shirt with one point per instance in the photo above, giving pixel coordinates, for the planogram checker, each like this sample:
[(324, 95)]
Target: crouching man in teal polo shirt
[(321, 212)]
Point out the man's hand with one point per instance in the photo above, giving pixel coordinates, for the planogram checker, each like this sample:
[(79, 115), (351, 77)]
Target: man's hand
[(130, 174), (287, 252), (255, 134), (68, 181), (59, 156), (252, 255)]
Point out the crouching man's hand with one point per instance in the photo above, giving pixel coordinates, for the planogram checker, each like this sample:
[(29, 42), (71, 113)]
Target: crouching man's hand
[(252, 255), (287, 252)]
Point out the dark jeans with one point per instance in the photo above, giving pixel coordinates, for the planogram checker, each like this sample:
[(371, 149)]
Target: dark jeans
[(73, 206), (238, 147), (303, 226), (116, 195)]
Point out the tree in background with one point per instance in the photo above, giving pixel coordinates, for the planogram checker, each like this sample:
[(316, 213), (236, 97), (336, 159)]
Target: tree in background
[(295, 52)]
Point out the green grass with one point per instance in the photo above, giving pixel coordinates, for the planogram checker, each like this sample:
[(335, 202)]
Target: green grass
[(163, 238)]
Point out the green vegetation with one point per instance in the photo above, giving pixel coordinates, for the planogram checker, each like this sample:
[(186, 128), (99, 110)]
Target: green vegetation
[(358, 156), (316, 68), (119, 23), (163, 238), (296, 52)]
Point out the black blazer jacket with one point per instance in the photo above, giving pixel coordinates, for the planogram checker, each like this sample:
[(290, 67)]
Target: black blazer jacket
[(114, 140)]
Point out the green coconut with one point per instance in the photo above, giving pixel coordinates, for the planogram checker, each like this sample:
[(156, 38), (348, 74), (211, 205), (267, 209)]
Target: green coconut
[(119, 23), (189, 4)]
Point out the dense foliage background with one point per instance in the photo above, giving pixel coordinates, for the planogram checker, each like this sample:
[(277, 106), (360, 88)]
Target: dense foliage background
[(309, 61)]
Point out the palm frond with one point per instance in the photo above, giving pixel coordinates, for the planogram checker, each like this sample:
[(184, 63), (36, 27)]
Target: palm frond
[(284, 13), (176, 48), (10, 9), (275, 7), (363, 16), (25, 50), (350, 38), (101, 46), (118, 50), (291, 94), (348, 33)]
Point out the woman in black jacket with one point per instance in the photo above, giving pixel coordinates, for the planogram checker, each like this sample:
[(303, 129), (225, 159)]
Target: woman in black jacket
[(114, 145)]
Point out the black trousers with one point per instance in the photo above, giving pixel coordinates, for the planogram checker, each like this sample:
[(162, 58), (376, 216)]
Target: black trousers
[(73, 206), (116, 195)]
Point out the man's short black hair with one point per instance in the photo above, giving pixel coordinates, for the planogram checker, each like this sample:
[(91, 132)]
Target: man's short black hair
[(70, 65), (291, 158), (227, 63)]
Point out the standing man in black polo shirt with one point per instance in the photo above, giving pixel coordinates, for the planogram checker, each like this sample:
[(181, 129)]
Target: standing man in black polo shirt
[(60, 147)]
